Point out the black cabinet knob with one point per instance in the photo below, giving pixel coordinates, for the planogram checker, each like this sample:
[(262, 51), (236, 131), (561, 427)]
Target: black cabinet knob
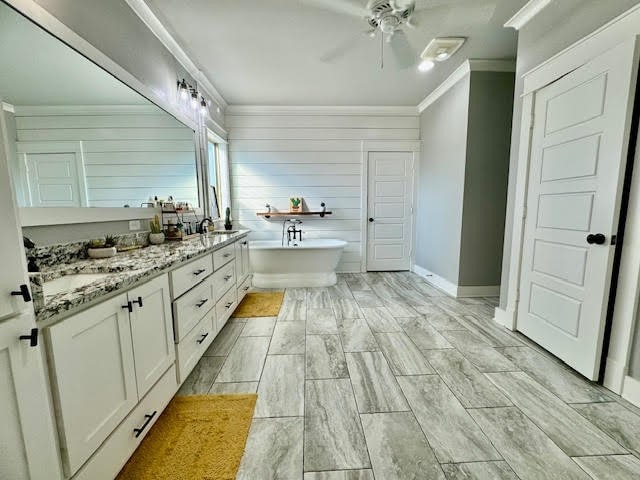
[(33, 337), (371, 219), (596, 239)]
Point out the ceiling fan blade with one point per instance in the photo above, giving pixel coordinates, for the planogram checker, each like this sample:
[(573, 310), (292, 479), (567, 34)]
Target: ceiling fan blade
[(345, 7), (340, 50), (404, 53)]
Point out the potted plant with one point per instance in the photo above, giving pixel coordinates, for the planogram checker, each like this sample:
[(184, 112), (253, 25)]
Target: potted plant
[(99, 248), (227, 219), (156, 236)]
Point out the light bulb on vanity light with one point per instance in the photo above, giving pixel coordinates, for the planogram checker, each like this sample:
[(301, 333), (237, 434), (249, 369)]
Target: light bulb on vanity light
[(183, 89), (194, 99), (204, 108), (426, 65)]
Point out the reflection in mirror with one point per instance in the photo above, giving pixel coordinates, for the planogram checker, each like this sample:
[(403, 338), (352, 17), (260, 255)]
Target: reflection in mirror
[(77, 136)]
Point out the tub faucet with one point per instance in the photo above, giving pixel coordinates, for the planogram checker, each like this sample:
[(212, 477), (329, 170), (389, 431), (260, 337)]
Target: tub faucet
[(294, 232)]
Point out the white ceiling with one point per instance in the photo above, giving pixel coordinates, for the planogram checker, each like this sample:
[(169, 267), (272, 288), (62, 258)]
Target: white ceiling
[(268, 52), (38, 69)]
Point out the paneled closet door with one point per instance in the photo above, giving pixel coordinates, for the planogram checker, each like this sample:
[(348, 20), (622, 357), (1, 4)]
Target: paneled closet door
[(95, 382), (27, 435), (151, 332)]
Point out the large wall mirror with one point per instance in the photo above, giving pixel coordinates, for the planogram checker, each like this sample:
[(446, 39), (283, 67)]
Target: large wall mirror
[(78, 137)]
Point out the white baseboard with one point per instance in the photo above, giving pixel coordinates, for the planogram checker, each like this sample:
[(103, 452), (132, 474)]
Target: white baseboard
[(454, 290), (631, 390), (505, 318), (436, 280), (614, 375)]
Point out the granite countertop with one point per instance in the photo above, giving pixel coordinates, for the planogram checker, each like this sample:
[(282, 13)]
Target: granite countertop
[(126, 269)]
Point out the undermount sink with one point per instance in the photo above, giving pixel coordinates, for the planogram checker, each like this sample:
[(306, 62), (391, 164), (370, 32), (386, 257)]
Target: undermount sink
[(68, 283), (223, 232)]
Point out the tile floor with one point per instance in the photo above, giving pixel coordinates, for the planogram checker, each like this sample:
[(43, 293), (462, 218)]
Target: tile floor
[(382, 376)]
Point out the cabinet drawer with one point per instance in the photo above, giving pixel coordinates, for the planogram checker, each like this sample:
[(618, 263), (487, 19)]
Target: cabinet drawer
[(194, 344), (225, 307), (186, 276), (224, 255), (243, 288), (224, 279), (116, 450), (189, 309)]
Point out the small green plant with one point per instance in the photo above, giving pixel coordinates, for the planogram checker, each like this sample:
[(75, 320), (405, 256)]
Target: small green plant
[(295, 202), (108, 242), (227, 219), (154, 225)]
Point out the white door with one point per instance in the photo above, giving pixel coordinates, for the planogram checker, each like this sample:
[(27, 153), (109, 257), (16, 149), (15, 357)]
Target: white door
[(578, 152), (95, 382), (390, 194), (27, 435), (55, 173), (151, 331), (12, 258)]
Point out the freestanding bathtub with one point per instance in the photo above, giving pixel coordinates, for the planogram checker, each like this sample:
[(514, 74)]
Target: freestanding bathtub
[(310, 264)]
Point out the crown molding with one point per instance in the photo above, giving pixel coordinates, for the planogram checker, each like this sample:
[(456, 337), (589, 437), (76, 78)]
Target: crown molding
[(160, 31), (462, 71), (7, 107), (526, 13), (320, 110)]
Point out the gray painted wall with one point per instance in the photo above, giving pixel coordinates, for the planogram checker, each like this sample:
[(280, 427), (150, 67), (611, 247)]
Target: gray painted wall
[(559, 25), (443, 131), (486, 174)]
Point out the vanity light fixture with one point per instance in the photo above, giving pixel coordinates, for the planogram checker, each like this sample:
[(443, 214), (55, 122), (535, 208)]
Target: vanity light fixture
[(183, 88), (204, 108), (194, 99)]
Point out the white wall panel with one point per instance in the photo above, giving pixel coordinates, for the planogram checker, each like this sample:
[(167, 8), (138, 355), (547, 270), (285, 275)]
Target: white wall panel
[(315, 156)]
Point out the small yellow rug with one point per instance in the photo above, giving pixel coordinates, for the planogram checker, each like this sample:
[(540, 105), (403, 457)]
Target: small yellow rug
[(260, 304), (200, 437)]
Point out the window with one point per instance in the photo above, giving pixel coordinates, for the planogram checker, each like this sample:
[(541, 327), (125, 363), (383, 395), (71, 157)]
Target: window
[(214, 190)]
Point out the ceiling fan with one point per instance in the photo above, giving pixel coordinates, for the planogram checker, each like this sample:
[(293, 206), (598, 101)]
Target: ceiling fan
[(388, 18)]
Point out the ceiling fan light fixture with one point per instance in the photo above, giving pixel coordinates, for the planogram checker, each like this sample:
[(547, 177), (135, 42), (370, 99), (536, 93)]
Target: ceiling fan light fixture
[(442, 48), (426, 64)]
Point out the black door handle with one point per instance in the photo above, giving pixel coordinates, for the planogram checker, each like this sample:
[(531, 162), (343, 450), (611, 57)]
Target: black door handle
[(33, 337), (128, 306), (148, 418), (138, 301), (23, 292), (371, 219), (596, 238), (202, 337)]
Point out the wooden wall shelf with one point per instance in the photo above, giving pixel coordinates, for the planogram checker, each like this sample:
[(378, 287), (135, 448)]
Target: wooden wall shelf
[(292, 214)]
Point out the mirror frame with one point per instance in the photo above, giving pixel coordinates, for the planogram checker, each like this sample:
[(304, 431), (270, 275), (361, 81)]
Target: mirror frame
[(40, 216)]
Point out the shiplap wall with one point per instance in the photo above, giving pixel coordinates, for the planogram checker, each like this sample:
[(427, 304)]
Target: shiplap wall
[(129, 152), (314, 153)]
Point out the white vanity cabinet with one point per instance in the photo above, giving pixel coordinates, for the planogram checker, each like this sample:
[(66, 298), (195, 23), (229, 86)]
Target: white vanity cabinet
[(103, 361), (243, 268), (27, 438)]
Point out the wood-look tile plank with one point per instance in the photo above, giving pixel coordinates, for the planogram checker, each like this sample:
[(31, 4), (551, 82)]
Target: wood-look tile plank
[(398, 448), (293, 311), (321, 321), (340, 475), (224, 341), (339, 290), (356, 336), (444, 321), (202, 376), (529, 452), (489, 331), (287, 339), (374, 385), (399, 308), (484, 357), (423, 334), (451, 432), (380, 320), (325, 358), (273, 450), (334, 439), (498, 470), (612, 467), (570, 431), (281, 389), (403, 356), (231, 388), (258, 327), (346, 308), (555, 377), (466, 382), (318, 298), (245, 361), (367, 299)]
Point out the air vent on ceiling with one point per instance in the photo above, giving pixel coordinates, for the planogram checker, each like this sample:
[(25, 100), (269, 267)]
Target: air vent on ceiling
[(441, 49)]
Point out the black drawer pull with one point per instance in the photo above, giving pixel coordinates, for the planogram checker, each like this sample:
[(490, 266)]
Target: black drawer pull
[(138, 301), (33, 337), (227, 277), (199, 272), (202, 337), (246, 288), (202, 302), (138, 431), (245, 242), (128, 306), (228, 305), (226, 255), (23, 292)]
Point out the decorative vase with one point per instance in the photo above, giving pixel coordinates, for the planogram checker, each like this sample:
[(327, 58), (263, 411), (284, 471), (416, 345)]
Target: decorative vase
[(102, 252), (227, 221), (156, 238)]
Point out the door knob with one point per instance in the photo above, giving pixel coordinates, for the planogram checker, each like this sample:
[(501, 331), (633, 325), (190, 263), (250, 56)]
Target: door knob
[(371, 219), (596, 238)]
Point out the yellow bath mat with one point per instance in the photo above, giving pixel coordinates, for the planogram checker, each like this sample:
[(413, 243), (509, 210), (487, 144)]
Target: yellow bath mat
[(260, 304), (200, 437)]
